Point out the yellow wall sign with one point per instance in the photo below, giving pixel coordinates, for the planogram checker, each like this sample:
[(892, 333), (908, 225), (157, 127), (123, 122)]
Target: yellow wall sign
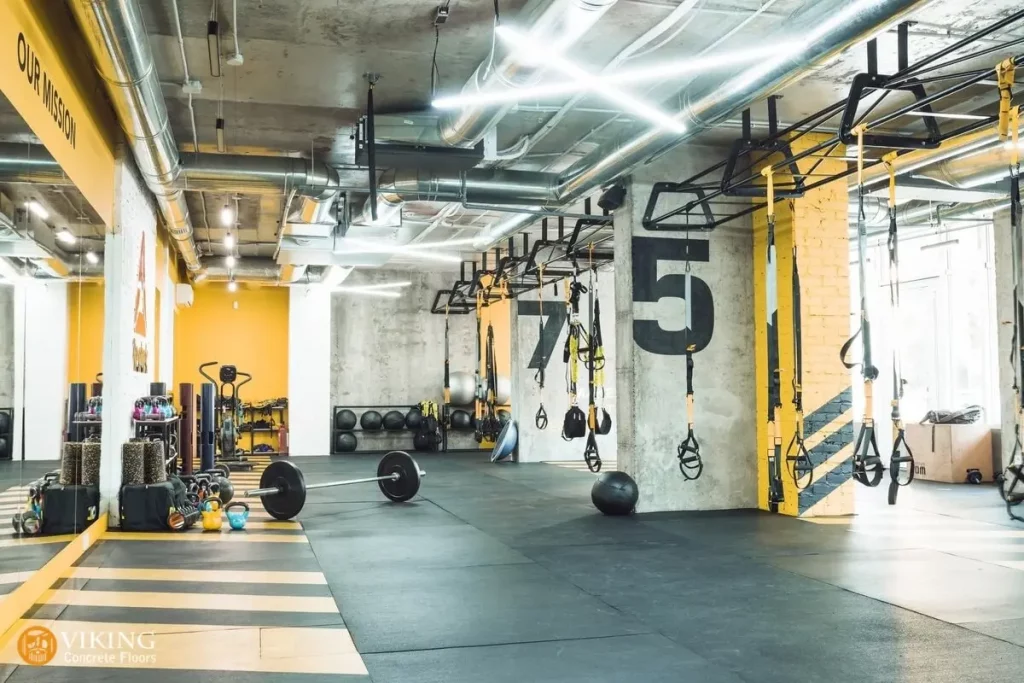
[(46, 73)]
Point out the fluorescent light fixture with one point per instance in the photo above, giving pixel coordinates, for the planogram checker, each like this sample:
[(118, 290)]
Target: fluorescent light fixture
[(947, 115), (938, 245), (538, 54), (221, 145), (230, 261), (37, 208), (383, 286), (66, 236), (213, 47), (232, 286), (229, 241), (383, 293), (352, 245), (91, 257), (227, 216), (655, 72)]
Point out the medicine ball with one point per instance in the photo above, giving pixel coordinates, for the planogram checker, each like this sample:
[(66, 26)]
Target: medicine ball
[(503, 390), (463, 388), (394, 421), (227, 490), (461, 420), (424, 441), (345, 419), (371, 421), (4, 454), (414, 418), (614, 493), (5, 423), (504, 416), (345, 442)]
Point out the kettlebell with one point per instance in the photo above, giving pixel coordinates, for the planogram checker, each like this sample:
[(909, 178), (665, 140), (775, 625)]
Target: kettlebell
[(140, 410), (237, 514), (212, 520)]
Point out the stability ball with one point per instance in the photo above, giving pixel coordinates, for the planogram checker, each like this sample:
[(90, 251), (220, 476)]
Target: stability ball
[(371, 421), (504, 390), (463, 388), (345, 419), (461, 420), (414, 418), (345, 442), (394, 420), (614, 493)]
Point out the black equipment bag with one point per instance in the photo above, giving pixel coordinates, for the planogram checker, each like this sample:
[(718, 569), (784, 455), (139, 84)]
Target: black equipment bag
[(575, 424), (146, 507), (69, 509)]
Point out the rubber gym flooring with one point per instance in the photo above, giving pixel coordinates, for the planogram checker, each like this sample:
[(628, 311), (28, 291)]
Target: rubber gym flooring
[(507, 573)]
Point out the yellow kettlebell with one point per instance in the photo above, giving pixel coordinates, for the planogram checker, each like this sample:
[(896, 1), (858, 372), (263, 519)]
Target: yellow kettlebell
[(212, 520)]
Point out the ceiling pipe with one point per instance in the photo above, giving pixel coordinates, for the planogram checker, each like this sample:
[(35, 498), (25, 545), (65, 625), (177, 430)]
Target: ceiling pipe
[(556, 23), (117, 39)]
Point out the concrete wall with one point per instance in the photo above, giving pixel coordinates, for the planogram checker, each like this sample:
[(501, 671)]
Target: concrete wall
[(6, 345), (309, 352), (651, 385), (1002, 244), (391, 351), (536, 445)]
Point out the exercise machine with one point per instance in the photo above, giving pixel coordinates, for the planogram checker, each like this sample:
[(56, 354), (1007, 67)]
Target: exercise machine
[(221, 434)]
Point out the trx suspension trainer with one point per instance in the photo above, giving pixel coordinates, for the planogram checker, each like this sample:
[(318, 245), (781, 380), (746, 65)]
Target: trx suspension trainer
[(594, 360), (801, 467), (1013, 475), (541, 418), (447, 394), (575, 424), (775, 492), (688, 451)]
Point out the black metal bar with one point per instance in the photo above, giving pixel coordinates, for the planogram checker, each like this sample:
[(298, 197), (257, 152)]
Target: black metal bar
[(872, 47), (903, 45), (371, 151), (586, 206), (773, 115), (745, 132), (561, 228), (511, 248), (544, 229), (955, 47)]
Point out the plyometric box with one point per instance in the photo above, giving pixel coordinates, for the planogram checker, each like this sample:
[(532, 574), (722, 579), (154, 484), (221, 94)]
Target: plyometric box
[(946, 452)]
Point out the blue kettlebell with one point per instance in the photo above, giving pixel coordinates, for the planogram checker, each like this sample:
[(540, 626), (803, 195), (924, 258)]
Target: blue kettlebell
[(237, 513)]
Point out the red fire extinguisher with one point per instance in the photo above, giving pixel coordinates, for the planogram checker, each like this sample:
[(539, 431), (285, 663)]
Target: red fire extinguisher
[(282, 439)]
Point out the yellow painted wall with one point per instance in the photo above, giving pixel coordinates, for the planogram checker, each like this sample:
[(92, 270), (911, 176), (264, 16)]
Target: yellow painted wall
[(252, 336), (85, 331)]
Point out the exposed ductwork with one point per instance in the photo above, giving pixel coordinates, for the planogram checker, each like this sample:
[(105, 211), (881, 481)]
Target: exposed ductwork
[(262, 270), (117, 39), (559, 23), (268, 175)]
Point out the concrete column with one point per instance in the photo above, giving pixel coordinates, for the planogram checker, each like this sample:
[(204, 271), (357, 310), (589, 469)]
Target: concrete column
[(816, 224), (129, 320), (309, 387), (1003, 246), (537, 341), (6, 344), (650, 364)]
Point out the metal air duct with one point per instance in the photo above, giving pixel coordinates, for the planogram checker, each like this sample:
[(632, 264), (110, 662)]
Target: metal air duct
[(117, 39)]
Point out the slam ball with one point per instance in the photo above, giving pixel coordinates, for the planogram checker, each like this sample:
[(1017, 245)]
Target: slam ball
[(614, 493)]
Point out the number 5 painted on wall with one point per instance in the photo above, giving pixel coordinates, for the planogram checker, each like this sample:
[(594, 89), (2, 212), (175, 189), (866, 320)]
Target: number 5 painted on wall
[(649, 288)]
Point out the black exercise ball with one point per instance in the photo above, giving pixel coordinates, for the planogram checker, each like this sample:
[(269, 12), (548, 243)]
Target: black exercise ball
[(4, 453), (414, 418), (614, 493), (461, 420), (5, 423), (371, 421), (344, 419), (394, 420), (504, 416), (227, 490), (424, 441), (345, 442)]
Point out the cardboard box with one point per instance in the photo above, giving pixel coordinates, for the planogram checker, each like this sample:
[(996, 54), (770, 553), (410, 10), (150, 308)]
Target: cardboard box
[(946, 452)]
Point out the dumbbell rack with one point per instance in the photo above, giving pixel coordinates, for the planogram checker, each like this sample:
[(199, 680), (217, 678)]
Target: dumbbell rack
[(165, 430), (382, 409)]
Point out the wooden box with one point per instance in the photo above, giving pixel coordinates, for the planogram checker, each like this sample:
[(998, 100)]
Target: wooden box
[(945, 452)]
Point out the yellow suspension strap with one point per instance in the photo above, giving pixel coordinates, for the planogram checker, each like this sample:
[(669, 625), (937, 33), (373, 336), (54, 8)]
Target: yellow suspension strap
[(798, 460), (595, 376), (867, 462), (575, 424), (691, 465), (1009, 127), (901, 467), (541, 418), (775, 492)]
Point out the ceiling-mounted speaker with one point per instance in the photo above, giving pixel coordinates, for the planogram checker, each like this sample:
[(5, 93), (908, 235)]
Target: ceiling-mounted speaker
[(612, 198)]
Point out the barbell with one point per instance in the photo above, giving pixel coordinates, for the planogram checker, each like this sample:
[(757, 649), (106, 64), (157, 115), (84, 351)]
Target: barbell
[(283, 488)]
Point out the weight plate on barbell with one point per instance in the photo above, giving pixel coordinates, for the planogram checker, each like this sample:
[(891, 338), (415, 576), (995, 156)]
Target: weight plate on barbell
[(408, 482), (288, 501)]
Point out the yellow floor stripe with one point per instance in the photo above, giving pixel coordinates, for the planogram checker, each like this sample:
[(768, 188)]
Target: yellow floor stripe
[(208, 602), (236, 537), (203, 575), (328, 651), (15, 577), (36, 540)]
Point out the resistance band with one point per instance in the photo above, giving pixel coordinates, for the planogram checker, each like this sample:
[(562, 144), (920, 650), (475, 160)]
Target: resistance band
[(575, 424), (775, 493), (801, 467), (898, 463), (867, 462), (688, 451), (1009, 134), (541, 418)]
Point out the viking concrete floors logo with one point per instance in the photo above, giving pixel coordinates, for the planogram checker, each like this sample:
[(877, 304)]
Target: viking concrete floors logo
[(38, 646)]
